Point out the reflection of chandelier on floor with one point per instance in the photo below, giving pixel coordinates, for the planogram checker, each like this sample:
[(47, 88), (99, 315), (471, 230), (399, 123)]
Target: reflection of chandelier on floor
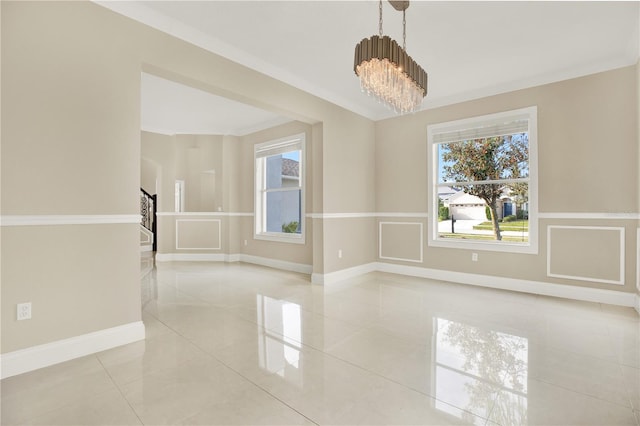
[(387, 72)]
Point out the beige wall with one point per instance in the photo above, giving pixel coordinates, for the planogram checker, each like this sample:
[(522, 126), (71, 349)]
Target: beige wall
[(233, 179), (71, 116), (79, 279), (195, 159), (637, 259), (349, 165), (198, 160), (317, 197), (159, 150), (149, 175), (353, 164), (232, 157), (588, 163), (355, 237), (231, 192), (71, 146)]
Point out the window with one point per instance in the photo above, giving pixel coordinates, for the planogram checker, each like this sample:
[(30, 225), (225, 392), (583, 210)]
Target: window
[(279, 197), (484, 193)]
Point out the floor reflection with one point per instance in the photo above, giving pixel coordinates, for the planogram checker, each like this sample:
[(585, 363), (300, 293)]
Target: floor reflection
[(280, 338), (149, 289), (480, 370), (391, 350)]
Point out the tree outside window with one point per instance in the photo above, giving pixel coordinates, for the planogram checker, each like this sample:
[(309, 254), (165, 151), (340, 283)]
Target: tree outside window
[(491, 169)]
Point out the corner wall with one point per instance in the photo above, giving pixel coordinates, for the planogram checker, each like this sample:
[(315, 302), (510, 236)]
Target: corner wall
[(71, 156), (587, 178), (224, 231), (70, 177), (638, 206)]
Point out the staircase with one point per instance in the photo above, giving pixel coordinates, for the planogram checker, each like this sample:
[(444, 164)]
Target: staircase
[(148, 229)]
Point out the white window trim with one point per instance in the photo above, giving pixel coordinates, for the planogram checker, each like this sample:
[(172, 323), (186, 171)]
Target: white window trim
[(532, 246), (258, 170)]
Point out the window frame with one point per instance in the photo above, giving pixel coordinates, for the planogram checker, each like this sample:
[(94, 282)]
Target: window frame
[(297, 142), (531, 247)]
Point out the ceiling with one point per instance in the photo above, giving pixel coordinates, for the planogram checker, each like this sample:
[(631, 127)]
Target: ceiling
[(171, 108), (469, 49)]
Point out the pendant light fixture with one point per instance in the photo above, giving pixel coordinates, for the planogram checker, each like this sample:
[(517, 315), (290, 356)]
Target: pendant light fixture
[(387, 72)]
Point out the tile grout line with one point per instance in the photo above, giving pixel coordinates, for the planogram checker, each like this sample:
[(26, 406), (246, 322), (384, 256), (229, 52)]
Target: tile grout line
[(366, 370), (234, 370), (360, 328), (627, 390), (615, 362), (119, 390), (538, 300), (635, 410), (69, 403), (556, 385), (318, 350)]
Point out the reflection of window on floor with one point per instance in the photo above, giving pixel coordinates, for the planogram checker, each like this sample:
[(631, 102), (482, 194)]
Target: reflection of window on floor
[(471, 364), (280, 338)]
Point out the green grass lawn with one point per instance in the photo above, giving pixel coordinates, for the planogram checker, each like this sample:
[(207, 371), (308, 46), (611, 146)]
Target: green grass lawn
[(516, 225), (507, 238)]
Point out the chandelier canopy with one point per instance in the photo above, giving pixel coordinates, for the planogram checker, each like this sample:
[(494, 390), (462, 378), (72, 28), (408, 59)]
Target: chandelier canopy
[(387, 72)]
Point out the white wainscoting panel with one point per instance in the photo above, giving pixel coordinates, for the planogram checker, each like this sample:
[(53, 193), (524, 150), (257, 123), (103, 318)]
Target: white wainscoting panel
[(586, 253), (198, 234), (401, 241)]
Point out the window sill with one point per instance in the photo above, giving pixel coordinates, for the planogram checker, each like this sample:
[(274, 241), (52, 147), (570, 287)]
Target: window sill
[(504, 247), (281, 238)]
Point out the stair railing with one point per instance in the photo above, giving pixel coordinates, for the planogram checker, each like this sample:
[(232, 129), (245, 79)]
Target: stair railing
[(148, 205)]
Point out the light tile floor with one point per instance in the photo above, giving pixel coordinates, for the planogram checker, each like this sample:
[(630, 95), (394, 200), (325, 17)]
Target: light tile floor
[(241, 344)]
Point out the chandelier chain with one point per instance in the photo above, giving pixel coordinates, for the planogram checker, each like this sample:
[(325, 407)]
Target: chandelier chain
[(380, 19), (404, 29)]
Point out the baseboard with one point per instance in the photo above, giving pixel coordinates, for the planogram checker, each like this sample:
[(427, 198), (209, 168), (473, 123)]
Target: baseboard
[(238, 257), (343, 274), (191, 257), (35, 357), (275, 263), (587, 294)]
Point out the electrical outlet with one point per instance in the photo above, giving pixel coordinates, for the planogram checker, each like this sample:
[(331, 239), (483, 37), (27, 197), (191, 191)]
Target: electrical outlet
[(474, 257), (24, 311), (245, 242), (340, 254)]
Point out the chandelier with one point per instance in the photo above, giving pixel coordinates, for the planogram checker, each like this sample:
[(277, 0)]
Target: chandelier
[(387, 72)]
